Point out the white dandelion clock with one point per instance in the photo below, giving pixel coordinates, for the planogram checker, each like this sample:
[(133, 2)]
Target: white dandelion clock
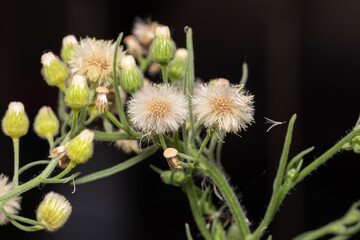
[(224, 106), (12, 205), (158, 109), (94, 59)]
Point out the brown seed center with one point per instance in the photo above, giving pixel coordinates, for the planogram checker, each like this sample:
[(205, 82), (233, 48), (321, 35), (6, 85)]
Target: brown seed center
[(159, 108), (221, 105)]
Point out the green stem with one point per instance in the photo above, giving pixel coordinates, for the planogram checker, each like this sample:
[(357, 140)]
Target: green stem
[(143, 62), (21, 219), (113, 119), (164, 73), (117, 91), (16, 161), (162, 141), (245, 73), (229, 195), (196, 211), (218, 150), (50, 140), (32, 164), (119, 167), (26, 228), (188, 157), (65, 171), (188, 233), (325, 156), (62, 106), (176, 139), (203, 145), (105, 136), (271, 209), (73, 126), (189, 78)]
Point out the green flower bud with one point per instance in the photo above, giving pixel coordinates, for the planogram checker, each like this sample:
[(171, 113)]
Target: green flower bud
[(176, 67), (131, 78), (54, 70), (78, 94), (162, 48), (178, 178), (81, 147), (355, 144), (67, 49), (53, 211), (46, 123), (15, 123)]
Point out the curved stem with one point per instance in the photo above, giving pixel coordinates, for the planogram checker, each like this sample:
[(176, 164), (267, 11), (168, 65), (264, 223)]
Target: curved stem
[(119, 167), (196, 211), (117, 92), (16, 161), (228, 193), (32, 164), (113, 119), (73, 126), (65, 171), (203, 145), (272, 207), (162, 141)]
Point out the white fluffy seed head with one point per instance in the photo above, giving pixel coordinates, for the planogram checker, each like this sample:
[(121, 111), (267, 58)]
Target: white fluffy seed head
[(13, 204), (226, 107), (94, 59), (158, 109), (47, 58)]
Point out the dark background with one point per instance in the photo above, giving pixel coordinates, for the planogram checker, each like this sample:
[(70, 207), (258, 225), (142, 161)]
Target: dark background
[(303, 57)]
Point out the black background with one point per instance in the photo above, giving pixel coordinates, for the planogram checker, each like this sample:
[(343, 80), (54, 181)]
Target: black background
[(303, 57)]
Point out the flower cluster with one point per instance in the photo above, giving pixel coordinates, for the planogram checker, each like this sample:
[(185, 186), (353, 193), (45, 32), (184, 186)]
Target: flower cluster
[(129, 106)]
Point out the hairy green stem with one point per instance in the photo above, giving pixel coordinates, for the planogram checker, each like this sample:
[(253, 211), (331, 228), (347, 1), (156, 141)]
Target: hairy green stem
[(189, 79), (245, 73), (271, 209), (32, 164), (119, 167), (162, 141), (220, 180), (188, 233), (196, 211), (120, 107), (203, 145), (16, 161), (113, 119), (325, 156), (164, 73)]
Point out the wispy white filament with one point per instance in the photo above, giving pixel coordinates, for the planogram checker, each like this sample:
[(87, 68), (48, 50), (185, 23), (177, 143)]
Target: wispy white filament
[(226, 107), (158, 109)]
